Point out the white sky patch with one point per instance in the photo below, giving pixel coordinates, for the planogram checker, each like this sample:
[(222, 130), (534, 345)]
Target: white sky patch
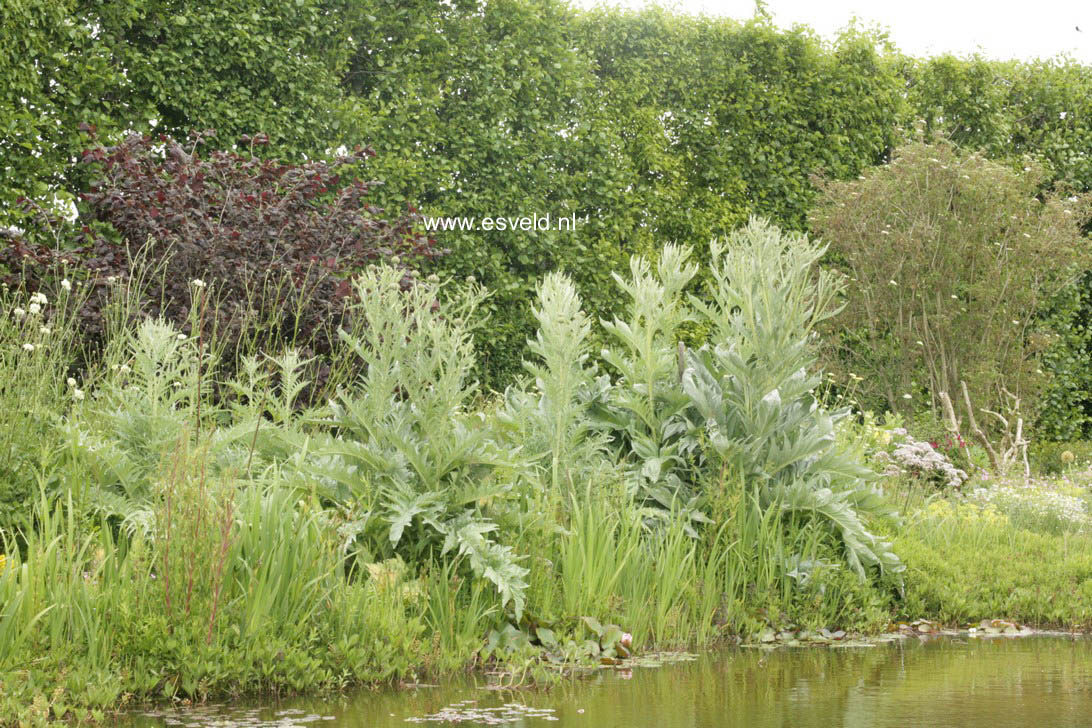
[(1001, 29)]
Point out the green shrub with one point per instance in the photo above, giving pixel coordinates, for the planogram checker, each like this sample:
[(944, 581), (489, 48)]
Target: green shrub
[(404, 438), (743, 403), (751, 389), (950, 259)]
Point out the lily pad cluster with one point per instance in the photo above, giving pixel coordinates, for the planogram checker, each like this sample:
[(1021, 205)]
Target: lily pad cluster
[(468, 711)]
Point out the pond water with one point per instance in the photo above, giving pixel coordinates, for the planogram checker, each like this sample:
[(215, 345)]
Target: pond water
[(1039, 681)]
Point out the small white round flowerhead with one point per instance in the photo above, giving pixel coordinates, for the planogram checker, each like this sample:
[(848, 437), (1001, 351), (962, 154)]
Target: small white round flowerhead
[(39, 297), (111, 279), (66, 284), (471, 279), (434, 278), (955, 296), (197, 283), (45, 330), (181, 337), (124, 369), (71, 382), (28, 347), (921, 343), (34, 308), (892, 282), (395, 260), (18, 312), (77, 394), (1015, 322), (907, 396)]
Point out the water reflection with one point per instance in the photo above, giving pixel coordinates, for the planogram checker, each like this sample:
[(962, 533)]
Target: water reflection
[(994, 683)]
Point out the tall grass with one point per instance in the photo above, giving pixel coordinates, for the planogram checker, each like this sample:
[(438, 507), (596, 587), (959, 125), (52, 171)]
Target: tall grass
[(38, 344)]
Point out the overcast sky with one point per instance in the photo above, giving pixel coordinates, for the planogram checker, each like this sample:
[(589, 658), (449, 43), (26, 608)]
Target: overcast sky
[(999, 28)]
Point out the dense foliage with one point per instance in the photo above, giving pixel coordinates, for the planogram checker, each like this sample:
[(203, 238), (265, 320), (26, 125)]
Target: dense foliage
[(168, 503), (181, 517), (275, 241), (951, 259), (240, 67), (647, 127), (644, 126)]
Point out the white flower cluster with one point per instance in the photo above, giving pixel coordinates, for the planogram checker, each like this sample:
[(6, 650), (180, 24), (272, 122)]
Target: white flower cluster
[(1035, 506), (37, 300), (920, 458)]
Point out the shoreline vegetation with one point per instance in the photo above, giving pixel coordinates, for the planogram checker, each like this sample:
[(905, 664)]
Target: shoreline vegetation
[(260, 434), (197, 536)]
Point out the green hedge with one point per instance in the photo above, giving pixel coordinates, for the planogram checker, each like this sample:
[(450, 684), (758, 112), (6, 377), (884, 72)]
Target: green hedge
[(648, 126)]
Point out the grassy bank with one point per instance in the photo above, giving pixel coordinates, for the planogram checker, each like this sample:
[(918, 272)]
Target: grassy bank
[(967, 560), (179, 527)]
